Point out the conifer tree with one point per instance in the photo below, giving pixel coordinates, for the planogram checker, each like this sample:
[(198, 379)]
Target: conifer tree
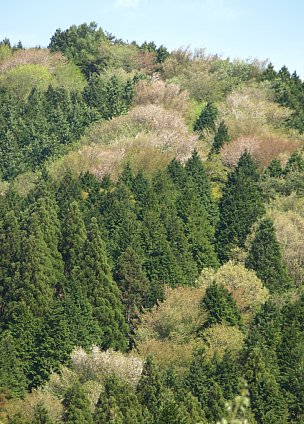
[(102, 292), (267, 399), (274, 169), (195, 169), (221, 137), (221, 306), (132, 283), (150, 387), (201, 381), (177, 173), (77, 406), (198, 229), (241, 205), (12, 377), (37, 280), (10, 255), (118, 403), (41, 415), (53, 344), (206, 119), (73, 238), (265, 258)]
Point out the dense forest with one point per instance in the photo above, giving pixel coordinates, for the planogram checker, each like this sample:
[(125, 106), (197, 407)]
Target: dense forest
[(152, 235)]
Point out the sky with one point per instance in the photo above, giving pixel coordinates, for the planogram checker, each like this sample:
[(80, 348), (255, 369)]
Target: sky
[(238, 29)]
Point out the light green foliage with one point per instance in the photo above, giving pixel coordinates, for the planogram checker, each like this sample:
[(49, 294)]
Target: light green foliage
[(69, 77), (288, 218), (245, 287), (23, 78), (5, 53)]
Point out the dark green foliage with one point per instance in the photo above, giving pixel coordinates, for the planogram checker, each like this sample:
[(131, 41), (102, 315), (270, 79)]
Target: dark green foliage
[(77, 406), (12, 378), (80, 44), (41, 127), (265, 258), (111, 98), (274, 169), (198, 177), (53, 345), (102, 292), (118, 404), (221, 137), (73, 238), (241, 205), (221, 307), (206, 119), (267, 399), (41, 415), (150, 387), (201, 381), (288, 89), (290, 356), (132, 283), (295, 163)]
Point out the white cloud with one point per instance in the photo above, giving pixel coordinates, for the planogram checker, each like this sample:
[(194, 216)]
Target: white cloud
[(127, 3)]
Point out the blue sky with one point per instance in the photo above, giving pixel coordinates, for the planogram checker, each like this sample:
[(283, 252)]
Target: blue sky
[(233, 28)]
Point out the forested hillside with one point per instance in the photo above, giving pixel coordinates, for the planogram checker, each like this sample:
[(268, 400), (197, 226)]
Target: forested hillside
[(152, 235)]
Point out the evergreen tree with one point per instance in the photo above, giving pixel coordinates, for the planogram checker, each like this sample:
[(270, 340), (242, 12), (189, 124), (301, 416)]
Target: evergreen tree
[(118, 404), (201, 381), (150, 387), (53, 345), (12, 378), (10, 252), (73, 238), (77, 406), (41, 415), (274, 169), (206, 119), (221, 306), (198, 230), (132, 283), (102, 292), (267, 399), (221, 137), (241, 205), (201, 184), (265, 258)]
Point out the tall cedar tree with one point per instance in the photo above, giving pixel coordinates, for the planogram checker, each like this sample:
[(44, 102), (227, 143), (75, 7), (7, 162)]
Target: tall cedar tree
[(201, 381), (150, 387), (118, 403), (10, 251), (221, 307), (241, 205), (132, 283), (265, 258), (196, 171), (12, 378), (198, 229), (102, 292), (73, 237), (206, 119), (77, 406), (221, 137), (41, 415)]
